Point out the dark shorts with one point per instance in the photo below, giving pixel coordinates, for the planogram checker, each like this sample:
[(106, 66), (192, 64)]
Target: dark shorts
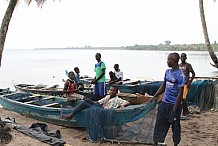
[(100, 89), (165, 118)]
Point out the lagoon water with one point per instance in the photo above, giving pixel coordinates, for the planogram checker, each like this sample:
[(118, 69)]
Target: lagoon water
[(48, 66)]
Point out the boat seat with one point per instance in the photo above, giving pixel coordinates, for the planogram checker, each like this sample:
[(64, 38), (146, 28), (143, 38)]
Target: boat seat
[(29, 102), (33, 96), (50, 97), (49, 105)]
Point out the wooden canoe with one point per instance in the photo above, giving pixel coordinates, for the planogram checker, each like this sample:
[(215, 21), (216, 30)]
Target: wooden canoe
[(44, 90), (128, 86), (49, 108)]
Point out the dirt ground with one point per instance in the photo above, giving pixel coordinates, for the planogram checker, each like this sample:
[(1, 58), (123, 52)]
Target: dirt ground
[(199, 130)]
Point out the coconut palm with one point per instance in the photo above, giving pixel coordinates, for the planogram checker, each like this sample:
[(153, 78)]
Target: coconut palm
[(206, 37), (7, 18)]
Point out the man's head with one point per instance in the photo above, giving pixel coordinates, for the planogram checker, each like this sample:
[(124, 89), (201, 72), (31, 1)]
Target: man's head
[(113, 91), (71, 75), (76, 69), (183, 57), (98, 56), (116, 67), (173, 59)]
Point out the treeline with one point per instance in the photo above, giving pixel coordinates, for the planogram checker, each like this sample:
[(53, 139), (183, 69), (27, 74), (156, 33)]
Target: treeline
[(177, 47), (160, 47)]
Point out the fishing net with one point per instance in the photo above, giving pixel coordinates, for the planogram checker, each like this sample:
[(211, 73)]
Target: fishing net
[(202, 94), (134, 126), (149, 88)]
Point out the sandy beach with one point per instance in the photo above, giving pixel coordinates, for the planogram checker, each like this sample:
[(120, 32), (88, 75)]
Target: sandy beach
[(199, 130)]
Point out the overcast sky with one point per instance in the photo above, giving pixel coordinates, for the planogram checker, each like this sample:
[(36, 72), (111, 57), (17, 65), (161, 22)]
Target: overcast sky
[(76, 23)]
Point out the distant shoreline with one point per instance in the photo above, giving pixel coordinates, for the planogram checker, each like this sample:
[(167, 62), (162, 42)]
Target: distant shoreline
[(160, 47)]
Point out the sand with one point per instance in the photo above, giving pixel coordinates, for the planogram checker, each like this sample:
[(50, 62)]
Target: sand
[(199, 130)]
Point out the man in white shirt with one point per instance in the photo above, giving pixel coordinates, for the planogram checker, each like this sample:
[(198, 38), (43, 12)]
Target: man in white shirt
[(110, 101), (116, 76)]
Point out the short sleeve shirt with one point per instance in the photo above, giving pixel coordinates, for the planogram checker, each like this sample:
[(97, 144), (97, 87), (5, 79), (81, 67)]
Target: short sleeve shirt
[(115, 102), (119, 74), (174, 79), (98, 69)]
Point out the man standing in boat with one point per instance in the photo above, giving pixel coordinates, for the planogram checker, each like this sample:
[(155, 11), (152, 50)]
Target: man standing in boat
[(169, 109), (186, 69), (100, 79)]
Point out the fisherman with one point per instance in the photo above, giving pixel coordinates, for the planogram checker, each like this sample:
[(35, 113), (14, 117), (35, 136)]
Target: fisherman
[(100, 79), (116, 77), (77, 78), (70, 88), (186, 69), (169, 109), (110, 101)]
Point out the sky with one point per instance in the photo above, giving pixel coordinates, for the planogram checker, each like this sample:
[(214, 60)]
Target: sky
[(108, 23)]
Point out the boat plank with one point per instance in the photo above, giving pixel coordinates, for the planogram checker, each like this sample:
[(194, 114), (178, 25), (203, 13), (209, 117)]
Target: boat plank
[(47, 98), (51, 104), (34, 96)]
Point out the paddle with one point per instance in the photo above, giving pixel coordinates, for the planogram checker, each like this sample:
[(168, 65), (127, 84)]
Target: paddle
[(67, 73)]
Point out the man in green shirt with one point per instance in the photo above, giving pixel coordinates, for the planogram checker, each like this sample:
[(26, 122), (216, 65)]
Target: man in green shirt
[(100, 79)]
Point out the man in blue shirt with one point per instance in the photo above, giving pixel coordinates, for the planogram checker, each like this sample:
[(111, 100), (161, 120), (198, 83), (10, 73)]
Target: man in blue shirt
[(169, 110)]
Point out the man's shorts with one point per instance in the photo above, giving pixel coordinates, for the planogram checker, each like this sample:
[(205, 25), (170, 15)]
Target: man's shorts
[(100, 89), (185, 91)]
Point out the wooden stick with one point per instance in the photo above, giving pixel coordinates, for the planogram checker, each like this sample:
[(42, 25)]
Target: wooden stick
[(33, 96), (51, 104), (50, 97), (216, 78)]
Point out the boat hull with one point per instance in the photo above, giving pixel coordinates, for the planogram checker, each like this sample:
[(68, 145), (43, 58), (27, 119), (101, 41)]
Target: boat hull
[(126, 87), (53, 92), (52, 115)]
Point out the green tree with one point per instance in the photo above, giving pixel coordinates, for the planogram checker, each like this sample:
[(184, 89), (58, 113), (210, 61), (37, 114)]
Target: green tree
[(206, 37), (7, 18)]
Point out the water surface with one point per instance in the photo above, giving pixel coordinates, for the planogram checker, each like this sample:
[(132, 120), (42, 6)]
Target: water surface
[(48, 66)]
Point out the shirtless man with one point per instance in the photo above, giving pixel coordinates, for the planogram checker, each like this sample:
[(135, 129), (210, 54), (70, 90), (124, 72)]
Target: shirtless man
[(186, 69)]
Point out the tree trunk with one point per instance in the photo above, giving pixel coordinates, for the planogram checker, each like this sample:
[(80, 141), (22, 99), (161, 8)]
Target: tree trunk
[(5, 24), (206, 37)]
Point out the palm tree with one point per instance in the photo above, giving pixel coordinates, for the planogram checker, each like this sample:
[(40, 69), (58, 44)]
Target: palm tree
[(7, 18), (206, 37)]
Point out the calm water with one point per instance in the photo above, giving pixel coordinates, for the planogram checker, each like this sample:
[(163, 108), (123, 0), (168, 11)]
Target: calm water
[(48, 66)]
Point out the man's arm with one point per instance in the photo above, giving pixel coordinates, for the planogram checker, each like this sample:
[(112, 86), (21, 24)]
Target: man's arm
[(192, 77), (159, 91), (125, 103), (178, 98), (66, 84), (93, 81)]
